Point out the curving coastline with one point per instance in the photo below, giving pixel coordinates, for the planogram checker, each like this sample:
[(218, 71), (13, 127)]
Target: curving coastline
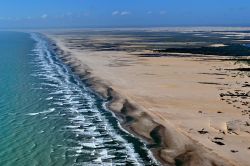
[(171, 145)]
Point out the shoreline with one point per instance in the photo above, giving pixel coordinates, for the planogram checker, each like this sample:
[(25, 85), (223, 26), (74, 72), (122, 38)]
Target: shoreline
[(174, 145), (103, 91), (106, 93)]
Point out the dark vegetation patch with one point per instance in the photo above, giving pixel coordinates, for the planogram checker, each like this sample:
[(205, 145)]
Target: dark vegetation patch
[(231, 50), (240, 69), (218, 138), (202, 131), (220, 74), (230, 94), (162, 54), (234, 151), (209, 83), (218, 142)]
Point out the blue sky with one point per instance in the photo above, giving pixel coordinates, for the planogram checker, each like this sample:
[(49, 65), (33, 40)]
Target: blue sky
[(123, 13)]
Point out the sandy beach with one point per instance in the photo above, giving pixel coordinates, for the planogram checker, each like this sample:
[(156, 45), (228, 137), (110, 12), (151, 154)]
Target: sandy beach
[(194, 109)]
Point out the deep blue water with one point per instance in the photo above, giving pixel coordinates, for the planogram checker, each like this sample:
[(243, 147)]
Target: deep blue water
[(247, 45), (48, 117)]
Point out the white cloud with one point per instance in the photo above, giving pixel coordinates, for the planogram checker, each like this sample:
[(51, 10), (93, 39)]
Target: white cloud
[(6, 18), (44, 16), (121, 13), (114, 13)]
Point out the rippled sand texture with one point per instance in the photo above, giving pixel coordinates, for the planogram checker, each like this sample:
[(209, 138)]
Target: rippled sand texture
[(196, 107)]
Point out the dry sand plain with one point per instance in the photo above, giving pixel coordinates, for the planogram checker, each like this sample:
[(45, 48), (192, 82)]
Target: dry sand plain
[(195, 107)]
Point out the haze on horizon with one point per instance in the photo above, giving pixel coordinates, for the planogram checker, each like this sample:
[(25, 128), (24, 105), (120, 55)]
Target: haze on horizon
[(123, 13)]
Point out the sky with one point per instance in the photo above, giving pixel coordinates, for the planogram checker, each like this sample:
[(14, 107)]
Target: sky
[(123, 13)]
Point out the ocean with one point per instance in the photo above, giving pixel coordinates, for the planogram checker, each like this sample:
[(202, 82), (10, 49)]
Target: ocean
[(49, 117)]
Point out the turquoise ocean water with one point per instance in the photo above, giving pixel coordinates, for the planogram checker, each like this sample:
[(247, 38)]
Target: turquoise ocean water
[(48, 117)]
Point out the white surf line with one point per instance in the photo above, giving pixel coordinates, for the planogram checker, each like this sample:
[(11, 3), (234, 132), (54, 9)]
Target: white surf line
[(43, 112), (133, 156)]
